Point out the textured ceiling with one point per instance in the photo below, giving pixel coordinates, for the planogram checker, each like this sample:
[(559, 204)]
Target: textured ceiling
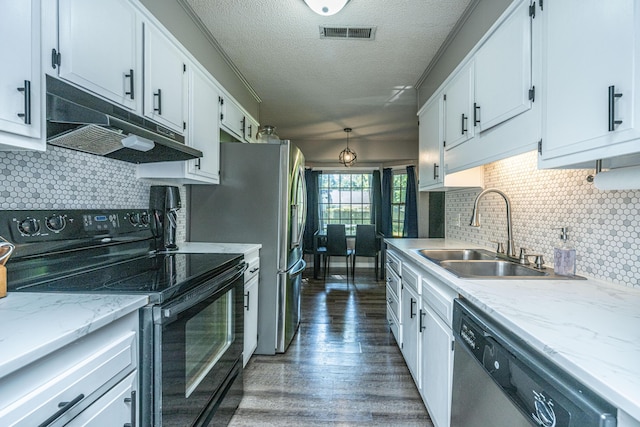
[(312, 88)]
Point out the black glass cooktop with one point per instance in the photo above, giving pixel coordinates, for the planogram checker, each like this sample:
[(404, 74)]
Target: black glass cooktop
[(161, 276)]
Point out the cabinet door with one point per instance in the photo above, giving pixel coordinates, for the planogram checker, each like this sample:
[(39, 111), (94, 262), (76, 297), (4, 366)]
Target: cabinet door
[(100, 49), (251, 295), (458, 108), (503, 71), (251, 128), (20, 76), (591, 80), (204, 131), (436, 366), (164, 80), (410, 313), (430, 139), (232, 118)]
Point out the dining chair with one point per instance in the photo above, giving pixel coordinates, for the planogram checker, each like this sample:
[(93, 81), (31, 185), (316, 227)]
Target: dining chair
[(367, 245), (336, 246), (319, 253)]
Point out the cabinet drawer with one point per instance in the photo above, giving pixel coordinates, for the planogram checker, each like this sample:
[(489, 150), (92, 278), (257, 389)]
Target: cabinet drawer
[(392, 302), (439, 297), (394, 325), (394, 263), (116, 408), (411, 278), (83, 371), (393, 282)]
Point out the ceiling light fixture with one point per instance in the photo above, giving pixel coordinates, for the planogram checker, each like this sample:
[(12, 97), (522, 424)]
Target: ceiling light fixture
[(326, 7), (347, 156)]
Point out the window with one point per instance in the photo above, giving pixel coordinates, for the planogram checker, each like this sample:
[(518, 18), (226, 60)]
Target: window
[(344, 198), (398, 197)]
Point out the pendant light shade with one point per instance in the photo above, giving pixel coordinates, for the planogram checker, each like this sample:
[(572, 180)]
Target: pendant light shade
[(347, 156), (326, 7)]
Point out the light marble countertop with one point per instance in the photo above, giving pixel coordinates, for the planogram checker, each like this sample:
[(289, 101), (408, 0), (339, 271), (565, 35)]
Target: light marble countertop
[(590, 328), (37, 324), (218, 248)]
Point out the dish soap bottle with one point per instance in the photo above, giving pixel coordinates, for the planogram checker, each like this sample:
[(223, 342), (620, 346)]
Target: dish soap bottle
[(564, 257)]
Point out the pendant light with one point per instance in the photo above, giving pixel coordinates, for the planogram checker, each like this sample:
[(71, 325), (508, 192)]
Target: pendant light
[(326, 7), (347, 156)]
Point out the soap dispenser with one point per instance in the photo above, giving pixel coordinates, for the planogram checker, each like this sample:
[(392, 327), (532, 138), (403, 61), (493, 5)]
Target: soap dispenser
[(564, 257)]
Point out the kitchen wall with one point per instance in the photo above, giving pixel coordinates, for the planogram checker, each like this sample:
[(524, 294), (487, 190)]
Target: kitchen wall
[(604, 226), (61, 178)]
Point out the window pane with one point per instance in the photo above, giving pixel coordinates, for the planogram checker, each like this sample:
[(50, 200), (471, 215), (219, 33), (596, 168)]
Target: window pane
[(344, 198)]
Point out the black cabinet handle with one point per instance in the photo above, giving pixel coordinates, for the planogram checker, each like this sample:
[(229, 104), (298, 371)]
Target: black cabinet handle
[(411, 313), (159, 95), (130, 77), (132, 401), (27, 102), (64, 407), (435, 171), (421, 325), (248, 295), (463, 123), (612, 109), (476, 114)]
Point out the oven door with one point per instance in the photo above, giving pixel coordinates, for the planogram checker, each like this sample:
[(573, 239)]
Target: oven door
[(198, 346)]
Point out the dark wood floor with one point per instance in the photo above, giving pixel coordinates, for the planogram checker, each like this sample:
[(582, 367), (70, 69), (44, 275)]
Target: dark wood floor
[(343, 367)]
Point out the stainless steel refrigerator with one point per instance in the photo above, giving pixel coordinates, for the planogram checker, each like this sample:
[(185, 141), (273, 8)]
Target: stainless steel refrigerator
[(261, 198)]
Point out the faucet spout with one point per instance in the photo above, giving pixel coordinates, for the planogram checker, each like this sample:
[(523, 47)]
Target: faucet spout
[(475, 219)]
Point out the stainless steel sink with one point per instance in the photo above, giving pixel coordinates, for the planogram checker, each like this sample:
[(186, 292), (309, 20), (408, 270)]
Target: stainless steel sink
[(491, 269), (439, 255)]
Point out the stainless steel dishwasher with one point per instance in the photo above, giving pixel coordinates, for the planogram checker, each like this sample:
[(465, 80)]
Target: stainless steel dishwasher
[(500, 381)]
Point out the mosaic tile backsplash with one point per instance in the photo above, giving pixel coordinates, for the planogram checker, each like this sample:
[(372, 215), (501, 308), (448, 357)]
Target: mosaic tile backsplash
[(62, 178), (604, 226)]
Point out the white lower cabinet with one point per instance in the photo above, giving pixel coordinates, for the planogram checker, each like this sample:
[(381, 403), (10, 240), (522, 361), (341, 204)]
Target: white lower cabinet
[(410, 301), (394, 310), (95, 378), (251, 296)]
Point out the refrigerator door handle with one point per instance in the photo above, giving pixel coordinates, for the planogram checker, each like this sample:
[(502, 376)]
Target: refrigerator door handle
[(295, 229), (301, 265)]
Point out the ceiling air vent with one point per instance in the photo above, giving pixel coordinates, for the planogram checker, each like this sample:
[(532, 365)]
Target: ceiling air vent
[(348, 32)]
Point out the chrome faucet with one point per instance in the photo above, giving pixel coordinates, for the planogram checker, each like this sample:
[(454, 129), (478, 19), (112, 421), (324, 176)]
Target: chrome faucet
[(475, 220)]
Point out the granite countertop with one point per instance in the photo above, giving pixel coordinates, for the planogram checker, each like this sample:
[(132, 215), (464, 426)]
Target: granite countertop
[(219, 248), (37, 324), (590, 328)]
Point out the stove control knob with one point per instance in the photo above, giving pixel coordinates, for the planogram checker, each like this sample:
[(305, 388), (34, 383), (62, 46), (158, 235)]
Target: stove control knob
[(144, 218), (29, 226), (56, 223), (134, 218)]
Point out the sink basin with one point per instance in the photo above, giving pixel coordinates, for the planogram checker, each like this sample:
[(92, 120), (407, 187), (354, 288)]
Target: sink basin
[(492, 270), (439, 255)]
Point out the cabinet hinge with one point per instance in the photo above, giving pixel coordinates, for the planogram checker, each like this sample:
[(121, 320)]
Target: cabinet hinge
[(541, 8), (221, 100), (444, 97), (444, 143), (221, 116), (452, 345), (56, 59), (184, 125), (540, 147), (184, 68), (532, 10), (532, 94)]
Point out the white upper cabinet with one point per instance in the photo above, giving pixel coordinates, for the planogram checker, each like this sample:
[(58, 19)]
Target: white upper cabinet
[(591, 81), (100, 49), (165, 73), (232, 118), (203, 133), (458, 107), (430, 135), (503, 71), (20, 80)]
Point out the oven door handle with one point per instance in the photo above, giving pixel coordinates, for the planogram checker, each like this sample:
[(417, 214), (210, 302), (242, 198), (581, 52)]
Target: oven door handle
[(166, 315)]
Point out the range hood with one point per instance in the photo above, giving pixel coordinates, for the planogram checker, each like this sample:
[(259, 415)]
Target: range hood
[(83, 122)]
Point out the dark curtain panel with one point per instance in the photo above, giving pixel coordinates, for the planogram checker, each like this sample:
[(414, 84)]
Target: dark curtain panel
[(411, 205), (387, 183), (376, 201), (311, 179)]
